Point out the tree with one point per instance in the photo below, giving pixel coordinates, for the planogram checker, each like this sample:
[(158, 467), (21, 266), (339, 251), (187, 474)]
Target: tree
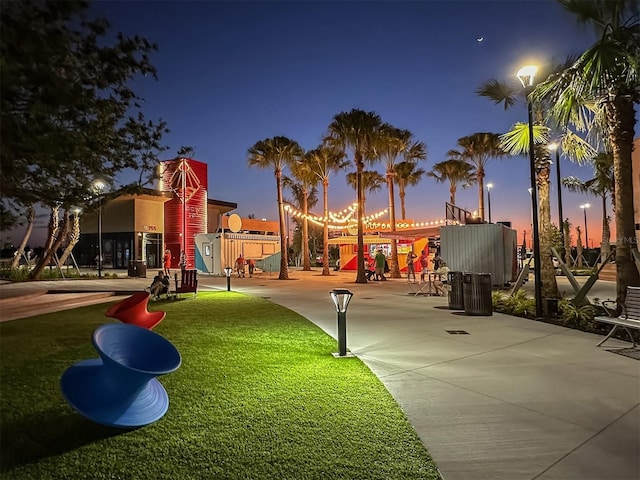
[(31, 219), (372, 182), (408, 174), (516, 142), (608, 75), (602, 186), (277, 153), (357, 131), (453, 171), (391, 145), (306, 193), (478, 149), (321, 162), (62, 127), (73, 236)]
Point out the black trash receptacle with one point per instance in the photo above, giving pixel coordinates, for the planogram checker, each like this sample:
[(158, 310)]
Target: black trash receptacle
[(477, 294), (137, 268), (454, 279)]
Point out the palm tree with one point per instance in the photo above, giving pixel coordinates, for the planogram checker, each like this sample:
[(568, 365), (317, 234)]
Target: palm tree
[(452, 171), (31, 220), (372, 182), (516, 142), (478, 149), (277, 153), (321, 162), (602, 186), (408, 174), (392, 144), (305, 189), (73, 237), (607, 73), (356, 130)]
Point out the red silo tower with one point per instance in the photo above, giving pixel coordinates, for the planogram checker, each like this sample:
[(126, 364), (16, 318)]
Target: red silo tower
[(185, 215)]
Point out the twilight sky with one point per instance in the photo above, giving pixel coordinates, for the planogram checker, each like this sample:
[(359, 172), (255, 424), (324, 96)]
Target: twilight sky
[(232, 73)]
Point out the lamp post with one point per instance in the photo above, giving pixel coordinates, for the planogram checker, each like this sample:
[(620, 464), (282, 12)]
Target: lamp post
[(98, 186), (584, 208), (228, 271), (556, 147), (341, 299), (526, 76), (489, 187)]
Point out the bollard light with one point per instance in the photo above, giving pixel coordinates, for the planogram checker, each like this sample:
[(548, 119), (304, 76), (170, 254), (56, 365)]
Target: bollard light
[(341, 299), (228, 271)]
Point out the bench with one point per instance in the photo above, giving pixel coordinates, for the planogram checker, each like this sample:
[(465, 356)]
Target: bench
[(629, 318), (188, 283)]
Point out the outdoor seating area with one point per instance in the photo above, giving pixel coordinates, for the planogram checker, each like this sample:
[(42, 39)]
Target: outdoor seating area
[(433, 285)]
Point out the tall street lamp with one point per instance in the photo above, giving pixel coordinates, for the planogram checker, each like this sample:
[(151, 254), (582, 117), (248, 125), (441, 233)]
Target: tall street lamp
[(489, 187), (556, 147), (584, 207), (526, 76), (98, 186)]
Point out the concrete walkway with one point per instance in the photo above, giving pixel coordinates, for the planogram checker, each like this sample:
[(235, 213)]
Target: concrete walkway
[(509, 399)]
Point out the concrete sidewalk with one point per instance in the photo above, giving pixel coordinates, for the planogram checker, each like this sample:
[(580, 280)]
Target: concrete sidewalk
[(509, 399)]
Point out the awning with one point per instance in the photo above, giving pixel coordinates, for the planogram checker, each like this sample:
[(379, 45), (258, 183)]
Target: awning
[(353, 240), (414, 233), (407, 234)]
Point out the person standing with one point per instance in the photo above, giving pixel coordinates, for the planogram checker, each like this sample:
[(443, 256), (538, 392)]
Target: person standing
[(424, 264), (166, 262), (380, 260), (240, 266), (252, 265), (411, 271)]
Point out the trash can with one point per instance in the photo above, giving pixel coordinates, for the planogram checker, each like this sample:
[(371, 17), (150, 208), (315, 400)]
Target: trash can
[(137, 268), (456, 302), (477, 294)]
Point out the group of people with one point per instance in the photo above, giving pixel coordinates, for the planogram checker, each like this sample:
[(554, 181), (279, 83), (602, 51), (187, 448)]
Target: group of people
[(440, 269), (240, 265), (376, 266)]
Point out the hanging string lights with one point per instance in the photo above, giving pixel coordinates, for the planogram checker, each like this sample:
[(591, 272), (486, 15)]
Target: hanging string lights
[(344, 218)]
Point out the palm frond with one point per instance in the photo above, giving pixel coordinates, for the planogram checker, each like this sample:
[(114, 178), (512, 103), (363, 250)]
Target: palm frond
[(516, 140), (499, 92)]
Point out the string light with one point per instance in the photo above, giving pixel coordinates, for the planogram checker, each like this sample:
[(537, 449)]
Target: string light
[(344, 219)]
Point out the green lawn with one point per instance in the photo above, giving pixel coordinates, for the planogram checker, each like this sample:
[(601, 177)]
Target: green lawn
[(258, 396)]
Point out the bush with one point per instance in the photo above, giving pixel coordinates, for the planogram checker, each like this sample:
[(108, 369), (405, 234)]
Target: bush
[(576, 317)]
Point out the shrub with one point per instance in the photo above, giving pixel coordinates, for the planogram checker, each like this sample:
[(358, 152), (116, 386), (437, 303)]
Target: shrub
[(520, 304), (576, 316)]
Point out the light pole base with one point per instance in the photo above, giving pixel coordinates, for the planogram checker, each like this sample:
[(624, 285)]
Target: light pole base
[(348, 355)]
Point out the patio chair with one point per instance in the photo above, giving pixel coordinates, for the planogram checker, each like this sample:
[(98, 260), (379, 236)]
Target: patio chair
[(188, 282)]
